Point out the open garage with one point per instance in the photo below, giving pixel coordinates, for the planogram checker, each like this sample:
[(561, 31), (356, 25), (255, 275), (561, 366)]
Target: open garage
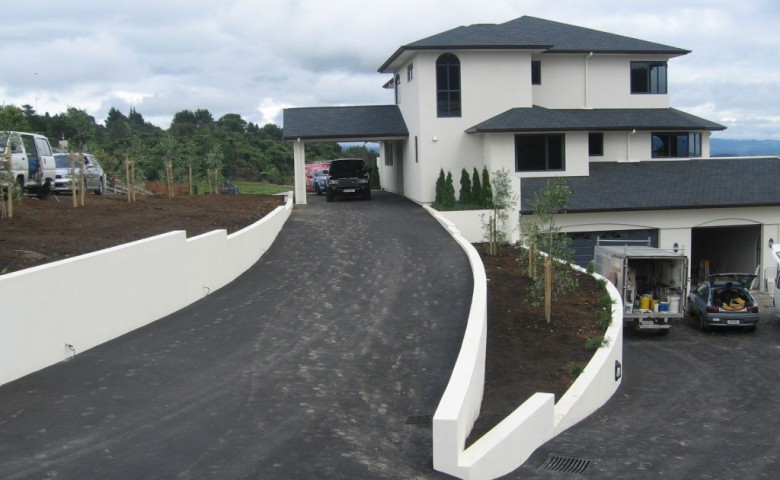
[(725, 249)]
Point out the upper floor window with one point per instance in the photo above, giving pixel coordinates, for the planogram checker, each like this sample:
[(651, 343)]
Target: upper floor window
[(596, 144), (676, 144), (410, 72), (448, 86), (648, 77), (536, 72), (539, 152)]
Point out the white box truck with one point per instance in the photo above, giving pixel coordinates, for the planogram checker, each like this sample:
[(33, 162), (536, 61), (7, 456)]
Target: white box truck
[(653, 282)]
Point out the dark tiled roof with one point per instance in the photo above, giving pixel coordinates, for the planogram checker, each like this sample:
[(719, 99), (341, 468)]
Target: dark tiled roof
[(668, 185), (360, 123), (537, 119), (535, 34)]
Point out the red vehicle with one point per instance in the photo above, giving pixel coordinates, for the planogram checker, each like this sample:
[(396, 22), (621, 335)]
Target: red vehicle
[(310, 169)]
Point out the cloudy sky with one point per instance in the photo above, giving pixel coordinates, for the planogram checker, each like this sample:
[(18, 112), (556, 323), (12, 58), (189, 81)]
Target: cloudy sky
[(256, 57)]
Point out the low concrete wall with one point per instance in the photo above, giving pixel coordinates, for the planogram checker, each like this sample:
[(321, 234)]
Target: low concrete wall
[(509, 444), (54, 311), (469, 223)]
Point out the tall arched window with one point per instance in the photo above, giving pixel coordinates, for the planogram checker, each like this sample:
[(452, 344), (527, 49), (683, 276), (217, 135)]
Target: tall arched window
[(448, 86)]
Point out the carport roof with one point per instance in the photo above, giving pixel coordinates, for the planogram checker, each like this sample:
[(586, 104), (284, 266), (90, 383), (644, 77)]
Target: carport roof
[(355, 123), (668, 185)]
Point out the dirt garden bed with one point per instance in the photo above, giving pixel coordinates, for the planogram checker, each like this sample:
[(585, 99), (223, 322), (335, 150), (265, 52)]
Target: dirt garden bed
[(525, 354)]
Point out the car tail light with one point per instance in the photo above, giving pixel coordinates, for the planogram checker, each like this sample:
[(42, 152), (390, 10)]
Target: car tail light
[(712, 309), (753, 309)]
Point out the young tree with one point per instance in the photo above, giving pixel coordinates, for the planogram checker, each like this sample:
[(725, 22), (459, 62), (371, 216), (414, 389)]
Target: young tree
[(486, 195), (449, 191), (497, 226), (440, 188), (541, 232), (464, 196), (476, 188)]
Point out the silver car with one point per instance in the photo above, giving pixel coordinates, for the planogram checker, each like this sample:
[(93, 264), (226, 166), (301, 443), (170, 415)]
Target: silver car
[(724, 300), (94, 177)]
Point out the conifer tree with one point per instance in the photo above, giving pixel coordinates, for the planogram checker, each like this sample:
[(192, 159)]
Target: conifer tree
[(476, 188), (486, 195), (439, 199), (449, 191), (464, 196)]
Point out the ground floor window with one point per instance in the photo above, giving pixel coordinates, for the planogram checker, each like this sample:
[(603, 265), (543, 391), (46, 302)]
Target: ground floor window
[(389, 153), (596, 144), (676, 144), (539, 152)]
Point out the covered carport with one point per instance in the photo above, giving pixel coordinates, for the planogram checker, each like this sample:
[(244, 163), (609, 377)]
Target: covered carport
[(370, 123)]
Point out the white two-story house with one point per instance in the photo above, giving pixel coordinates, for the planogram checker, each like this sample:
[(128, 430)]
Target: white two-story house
[(543, 99)]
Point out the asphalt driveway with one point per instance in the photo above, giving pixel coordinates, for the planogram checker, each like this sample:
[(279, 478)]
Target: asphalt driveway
[(692, 405), (326, 360)]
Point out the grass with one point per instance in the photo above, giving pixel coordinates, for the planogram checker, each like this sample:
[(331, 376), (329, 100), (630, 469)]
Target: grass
[(256, 188)]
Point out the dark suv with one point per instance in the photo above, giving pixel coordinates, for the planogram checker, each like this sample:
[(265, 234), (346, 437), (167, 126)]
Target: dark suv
[(348, 176)]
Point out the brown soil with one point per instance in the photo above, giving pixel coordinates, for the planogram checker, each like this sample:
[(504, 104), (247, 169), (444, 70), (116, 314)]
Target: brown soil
[(525, 354), (42, 231)]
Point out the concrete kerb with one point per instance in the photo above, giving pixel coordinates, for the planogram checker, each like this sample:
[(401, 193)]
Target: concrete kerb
[(508, 445)]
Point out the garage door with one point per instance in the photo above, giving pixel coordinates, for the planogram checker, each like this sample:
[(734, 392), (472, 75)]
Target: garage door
[(584, 242)]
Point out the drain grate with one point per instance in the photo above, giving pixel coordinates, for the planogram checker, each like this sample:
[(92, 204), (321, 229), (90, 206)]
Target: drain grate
[(421, 420), (562, 463)]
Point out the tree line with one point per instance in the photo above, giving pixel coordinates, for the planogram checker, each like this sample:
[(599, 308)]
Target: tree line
[(230, 146)]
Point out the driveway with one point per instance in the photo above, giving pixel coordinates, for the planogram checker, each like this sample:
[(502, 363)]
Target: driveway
[(692, 405), (326, 360)]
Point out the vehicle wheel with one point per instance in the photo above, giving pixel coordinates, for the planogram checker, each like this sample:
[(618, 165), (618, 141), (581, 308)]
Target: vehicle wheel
[(317, 189), (329, 196), (751, 328), (101, 187), (367, 196), (703, 325), (664, 332)]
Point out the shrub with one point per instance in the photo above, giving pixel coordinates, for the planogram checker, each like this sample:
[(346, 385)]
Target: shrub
[(449, 192), (476, 188), (595, 343), (465, 187), (486, 194), (439, 199)]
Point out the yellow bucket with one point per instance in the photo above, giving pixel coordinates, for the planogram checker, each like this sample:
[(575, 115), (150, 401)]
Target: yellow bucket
[(644, 302)]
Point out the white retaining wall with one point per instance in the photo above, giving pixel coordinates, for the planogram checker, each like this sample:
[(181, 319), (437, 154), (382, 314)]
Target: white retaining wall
[(509, 444), (50, 312)]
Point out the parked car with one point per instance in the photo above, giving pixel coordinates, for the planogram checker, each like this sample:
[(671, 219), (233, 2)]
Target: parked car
[(320, 180), (310, 169), (348, 176), (724, 300), (94, 177)]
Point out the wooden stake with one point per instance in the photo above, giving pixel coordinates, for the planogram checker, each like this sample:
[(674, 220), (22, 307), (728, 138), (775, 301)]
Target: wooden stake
[(189, 167), (548, 289), (73, 186), (82, 180), (9, 205)]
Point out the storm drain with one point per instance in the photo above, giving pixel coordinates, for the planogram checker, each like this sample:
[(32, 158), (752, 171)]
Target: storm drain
[(564, 464), (419, 420)]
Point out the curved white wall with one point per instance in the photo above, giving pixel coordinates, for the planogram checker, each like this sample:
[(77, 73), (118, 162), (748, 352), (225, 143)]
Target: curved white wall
[(151, 278), (509, 444)]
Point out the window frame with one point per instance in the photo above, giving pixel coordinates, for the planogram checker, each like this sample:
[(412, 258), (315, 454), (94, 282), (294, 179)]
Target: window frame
[(655, 80), (553, 144), (449, 97), (672, 141), (536, 72), (596, 149), (410, 72)]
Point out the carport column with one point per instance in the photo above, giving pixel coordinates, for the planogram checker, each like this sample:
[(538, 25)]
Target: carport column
[(299, 164)]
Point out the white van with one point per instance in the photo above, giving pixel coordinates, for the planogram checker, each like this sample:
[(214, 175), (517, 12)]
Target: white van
[(32, 160)]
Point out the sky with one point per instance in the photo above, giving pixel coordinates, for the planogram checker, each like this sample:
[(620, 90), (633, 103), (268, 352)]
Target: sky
[(257, 57)]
